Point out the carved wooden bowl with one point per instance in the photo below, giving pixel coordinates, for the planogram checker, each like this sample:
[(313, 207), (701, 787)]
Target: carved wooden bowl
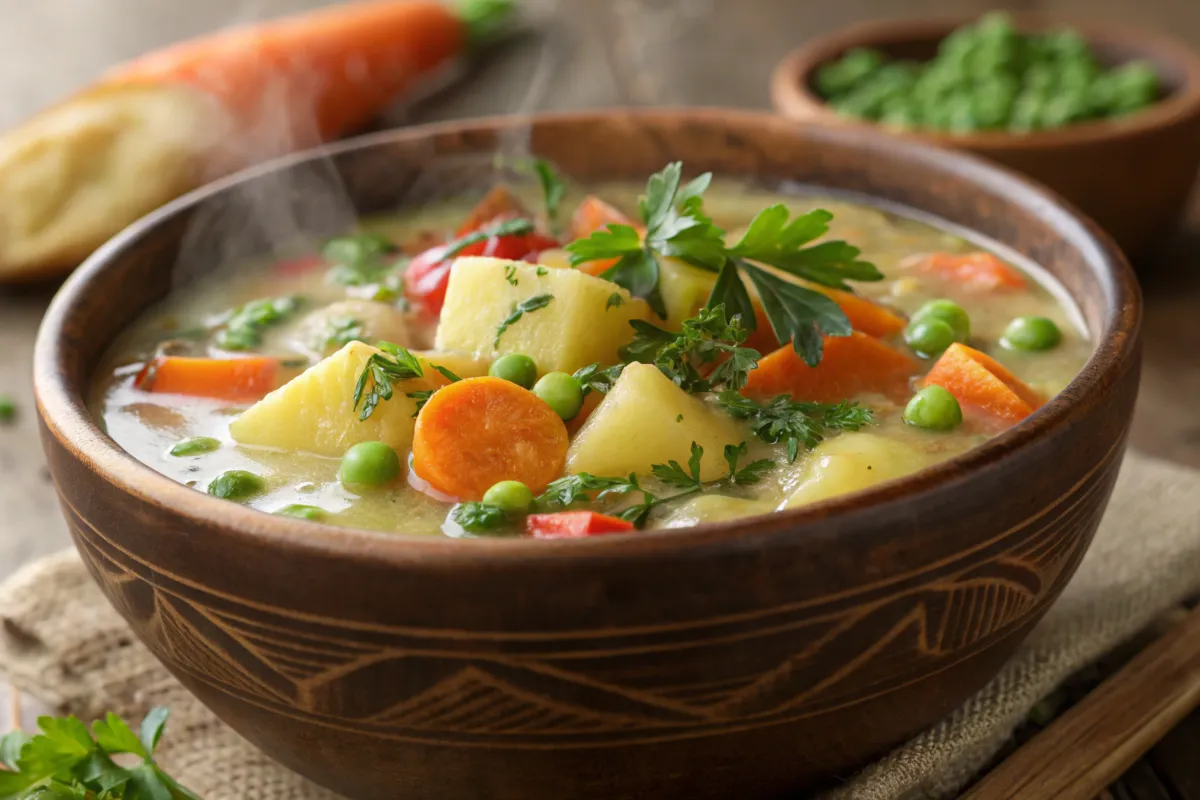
[(733, 660)]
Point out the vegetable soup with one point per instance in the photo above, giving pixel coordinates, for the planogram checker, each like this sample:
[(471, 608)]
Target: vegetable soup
[(544, 362)]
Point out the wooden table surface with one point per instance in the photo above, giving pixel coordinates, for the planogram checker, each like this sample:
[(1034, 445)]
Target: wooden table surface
[(586, 53)]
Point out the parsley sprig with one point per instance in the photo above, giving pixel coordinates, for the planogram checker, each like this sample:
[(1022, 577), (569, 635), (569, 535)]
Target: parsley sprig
[(243, 327), (67, 761), (422, 396), (594, 378), (508, 227), (704, 338), (383, 369), (359, 259), (796, 424), (749, 474), (534, 303), (476, 517), (677, 227), (554, 190)]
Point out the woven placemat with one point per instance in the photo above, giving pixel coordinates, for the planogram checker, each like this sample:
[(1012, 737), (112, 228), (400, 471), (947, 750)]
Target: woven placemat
[(61, 642)]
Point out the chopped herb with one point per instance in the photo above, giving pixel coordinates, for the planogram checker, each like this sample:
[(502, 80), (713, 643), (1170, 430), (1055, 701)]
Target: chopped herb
[(197, 445), (8, 409), (340, 331), (594, 379), (509, 227), (381, 370), (422, 397), (677, 227), (540, 271), (614, 301), (553, 187), (244, 326), (797, 424), (679, 418), (478, 517), (705, 338), (529, 304), (752, 472), (446, 373), (510, 274), (674, 475), (359, 259), (66, 761)]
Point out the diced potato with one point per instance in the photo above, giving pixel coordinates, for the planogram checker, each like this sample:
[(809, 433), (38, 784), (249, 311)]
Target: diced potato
[(464, 365), (368, 320), (853, 461), (556, 257), (638, 424), (714, 508), (684, 289), (578, 327), (314, 412)]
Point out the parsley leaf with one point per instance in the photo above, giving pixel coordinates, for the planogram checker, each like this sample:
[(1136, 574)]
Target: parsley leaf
[(244, 326), (340, 331), (614, 242), (478, 517), (510, 274), (674, 475), (614, 301), (705, 337), (752, 472), (422, 396), (538, 301), (553, 187), (572, 488), (795, 423), (358, 259), (798, 313), (773, 239), (594, 379), (381, 371)]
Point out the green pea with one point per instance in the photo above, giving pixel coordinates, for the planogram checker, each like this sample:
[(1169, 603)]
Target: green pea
[(930, 336), (301, 511), (236, 484), (1031, 334), (516, 368), (512, 497), (369, 464), (195, 446), (933, 408), (949, 312), (561, 392)]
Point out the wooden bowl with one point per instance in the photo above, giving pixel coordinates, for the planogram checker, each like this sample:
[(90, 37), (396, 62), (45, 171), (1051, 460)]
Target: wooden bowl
[(730, 660), (1132, 175)]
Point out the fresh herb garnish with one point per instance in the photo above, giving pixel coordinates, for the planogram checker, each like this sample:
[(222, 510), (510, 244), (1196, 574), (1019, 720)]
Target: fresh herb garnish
[(593, 378), (66, 761), (478, 517), (393, 364), (673, 474), (422, 397), (705, 338), (749, 474), (508, 227), (340, 331), (614, 301), (510, 274), (553, 187), (359, 259), (677, 227), (244, 326), (538, 301), (540, 270), (797, 424), (571, 488)]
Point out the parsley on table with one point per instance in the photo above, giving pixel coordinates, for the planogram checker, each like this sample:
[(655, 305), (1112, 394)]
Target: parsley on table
[(752, 472), (243, 327), (677, 227), (593, 378), (704, 338), (538, 301), (67, 761), (797, 424), (382, 369), (359, 259)]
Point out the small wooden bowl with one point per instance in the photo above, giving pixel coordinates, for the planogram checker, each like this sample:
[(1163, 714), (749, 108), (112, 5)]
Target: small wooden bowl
[(743, 659), (1132, 175)]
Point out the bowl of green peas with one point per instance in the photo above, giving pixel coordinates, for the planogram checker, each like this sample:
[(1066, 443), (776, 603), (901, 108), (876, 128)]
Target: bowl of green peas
[(1107, 116)]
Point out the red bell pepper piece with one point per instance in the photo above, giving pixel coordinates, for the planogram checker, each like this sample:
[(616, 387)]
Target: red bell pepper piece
[(573, 525)]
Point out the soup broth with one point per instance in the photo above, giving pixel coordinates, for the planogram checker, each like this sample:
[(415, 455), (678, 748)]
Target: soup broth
[(304, 331)]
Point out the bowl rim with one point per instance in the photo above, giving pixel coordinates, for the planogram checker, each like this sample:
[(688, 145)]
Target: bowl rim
[(63, 410), (793, 97)]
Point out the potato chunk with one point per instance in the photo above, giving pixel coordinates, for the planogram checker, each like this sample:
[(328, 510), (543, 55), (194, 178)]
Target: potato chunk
[(314, 412), (685, 290), (578, 327), (367, 320), (853, 461), (464, 365), (639, 424)]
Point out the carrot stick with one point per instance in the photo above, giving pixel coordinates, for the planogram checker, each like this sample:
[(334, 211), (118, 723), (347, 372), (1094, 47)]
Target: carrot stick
[(593, 214), (474, 433), (573, 525), (982, 384), (327, 71), (234, 379), (869, 317), (980, 270), (852, 365)]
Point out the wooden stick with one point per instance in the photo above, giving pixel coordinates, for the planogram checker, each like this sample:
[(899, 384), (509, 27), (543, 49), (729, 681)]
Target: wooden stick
[(1092, 745)]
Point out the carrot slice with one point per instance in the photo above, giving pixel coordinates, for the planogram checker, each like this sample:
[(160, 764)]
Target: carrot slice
[(981, 383), (479, 431), (498, 203), (851, 365), (320, 74), (234, 379), (865, 315), (979, 270), (573, 525)]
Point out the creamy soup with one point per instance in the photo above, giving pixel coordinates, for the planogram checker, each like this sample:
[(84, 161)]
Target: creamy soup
[(482, 367)]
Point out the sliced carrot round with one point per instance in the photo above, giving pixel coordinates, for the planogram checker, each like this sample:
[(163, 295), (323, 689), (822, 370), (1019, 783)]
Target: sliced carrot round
[(477, 432)]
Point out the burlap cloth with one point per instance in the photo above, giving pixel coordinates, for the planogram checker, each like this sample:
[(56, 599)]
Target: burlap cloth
[(62, 643)]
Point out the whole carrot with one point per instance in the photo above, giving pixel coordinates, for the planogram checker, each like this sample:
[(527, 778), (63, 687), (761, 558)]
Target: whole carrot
[(160, 125)]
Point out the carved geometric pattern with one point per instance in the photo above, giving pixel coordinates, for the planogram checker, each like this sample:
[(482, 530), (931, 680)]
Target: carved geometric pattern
[(433, 686)]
